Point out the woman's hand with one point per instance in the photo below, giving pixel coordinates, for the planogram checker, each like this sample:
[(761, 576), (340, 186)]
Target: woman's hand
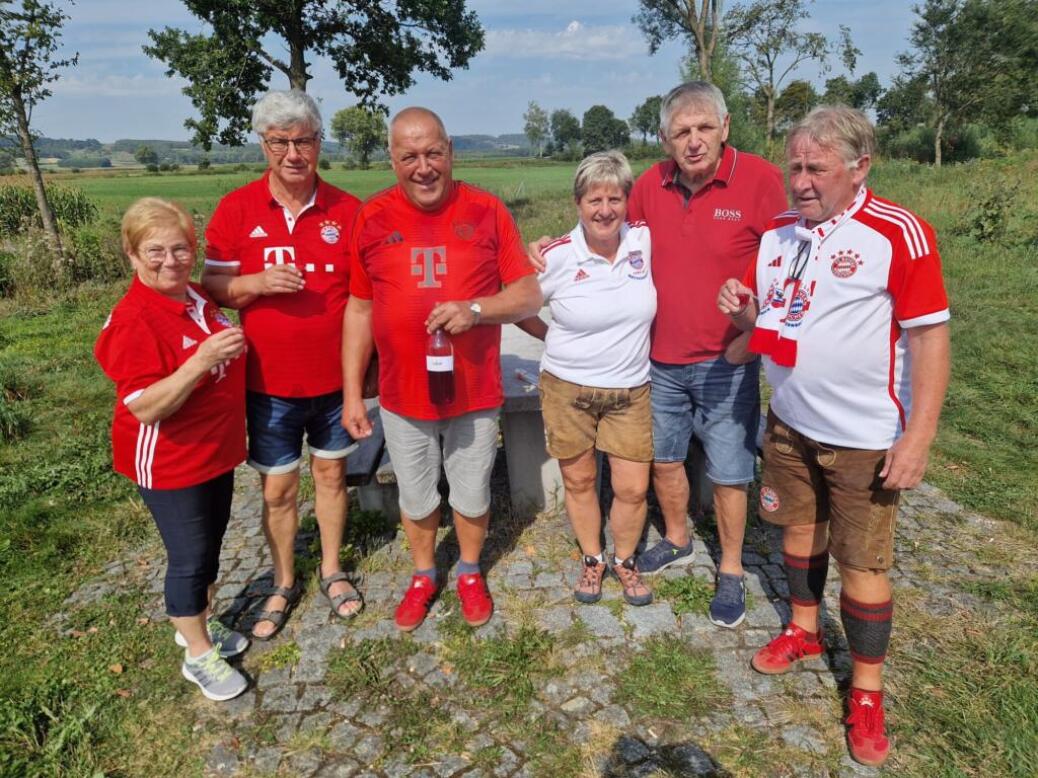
[(224, 345), (534, 255)]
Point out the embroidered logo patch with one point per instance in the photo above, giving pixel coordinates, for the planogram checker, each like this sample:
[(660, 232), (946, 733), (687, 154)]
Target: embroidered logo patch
[(221, 319), (581, 275), (845, 263), (464, 230), (188, 342), (394, 237), (635, 260), (330, 232), (727, 214), (769, 499), (258, 232)]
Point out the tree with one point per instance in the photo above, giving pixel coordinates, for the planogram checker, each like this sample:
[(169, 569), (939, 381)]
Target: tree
[(29, 40), (535, 125), (976, 59), (862, 93), (796, 100), (146, 155), (661, 20), (374, 47), (602, 130), (360, 131), (646, 118), (763, 37), (565, 130)]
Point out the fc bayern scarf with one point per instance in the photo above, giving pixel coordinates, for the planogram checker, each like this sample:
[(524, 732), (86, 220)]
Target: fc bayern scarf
[(791, 288)]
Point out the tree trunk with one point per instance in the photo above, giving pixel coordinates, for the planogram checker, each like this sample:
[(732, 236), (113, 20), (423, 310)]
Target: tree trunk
[(297, 75), (938, 135), (50, 224)]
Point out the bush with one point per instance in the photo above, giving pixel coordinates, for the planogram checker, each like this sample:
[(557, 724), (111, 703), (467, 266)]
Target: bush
[(6, 279), (18, 208), (324, 164), (204, 164), (152, 167)]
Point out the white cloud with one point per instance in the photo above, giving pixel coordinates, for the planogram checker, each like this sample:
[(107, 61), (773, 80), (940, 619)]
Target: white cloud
[(577, 41), (108, 86)]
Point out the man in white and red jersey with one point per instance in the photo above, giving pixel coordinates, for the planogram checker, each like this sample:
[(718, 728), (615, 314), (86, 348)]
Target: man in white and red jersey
[(852, 320), (276, 251), (433, 254), (706, 207)]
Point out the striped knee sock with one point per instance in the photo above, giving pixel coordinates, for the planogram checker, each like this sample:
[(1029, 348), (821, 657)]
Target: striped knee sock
[(806, 577), (867, 626)]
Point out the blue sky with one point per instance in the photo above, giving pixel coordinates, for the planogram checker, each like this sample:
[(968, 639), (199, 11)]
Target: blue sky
[(563, 55)]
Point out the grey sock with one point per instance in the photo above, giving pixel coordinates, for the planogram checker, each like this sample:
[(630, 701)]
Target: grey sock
[(467, 568), (430, 573)]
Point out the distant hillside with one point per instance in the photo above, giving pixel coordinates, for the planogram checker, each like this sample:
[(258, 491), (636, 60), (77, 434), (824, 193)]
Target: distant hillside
[(69, 153)]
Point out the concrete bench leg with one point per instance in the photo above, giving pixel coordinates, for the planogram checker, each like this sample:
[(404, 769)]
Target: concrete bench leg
[(534, 478), (381, 497)]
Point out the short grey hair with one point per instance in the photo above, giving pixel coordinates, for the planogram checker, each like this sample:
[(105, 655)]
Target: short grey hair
[(691, 93), (845, 130), (604, 167), (283, 109)]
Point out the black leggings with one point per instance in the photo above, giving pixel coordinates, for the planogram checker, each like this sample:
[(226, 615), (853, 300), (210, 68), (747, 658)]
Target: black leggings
[(192, 522)]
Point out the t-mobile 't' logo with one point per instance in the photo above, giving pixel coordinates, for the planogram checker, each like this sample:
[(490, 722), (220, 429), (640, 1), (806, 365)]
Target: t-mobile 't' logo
[(429, 263), (278, 255)]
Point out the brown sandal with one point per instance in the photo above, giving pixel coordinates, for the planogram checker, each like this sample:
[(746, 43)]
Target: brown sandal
[(292, 594)]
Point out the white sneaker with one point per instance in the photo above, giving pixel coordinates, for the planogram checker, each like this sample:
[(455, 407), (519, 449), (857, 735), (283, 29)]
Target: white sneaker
[(230, 643), (211, 673)]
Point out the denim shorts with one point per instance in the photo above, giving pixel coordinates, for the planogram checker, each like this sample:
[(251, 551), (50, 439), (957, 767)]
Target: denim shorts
[(277, 426), (716, 401)]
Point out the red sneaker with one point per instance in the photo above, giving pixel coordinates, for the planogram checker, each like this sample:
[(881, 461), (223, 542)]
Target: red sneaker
[(793, 645), (866, 730), (476, 605), (411, 611)]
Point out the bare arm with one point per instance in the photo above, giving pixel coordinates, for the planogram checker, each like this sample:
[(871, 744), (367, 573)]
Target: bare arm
[(535, 326), (165, 397), (534, 252), (515, 302), (357, 345), (905, 463), (737, 301), (236, 291)]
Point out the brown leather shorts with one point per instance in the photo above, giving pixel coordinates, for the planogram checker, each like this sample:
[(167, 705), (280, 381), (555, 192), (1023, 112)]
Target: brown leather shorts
[(577, 418), (808, 482)]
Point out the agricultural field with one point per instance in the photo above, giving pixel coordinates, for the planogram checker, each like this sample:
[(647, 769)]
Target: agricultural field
[(64, 516)]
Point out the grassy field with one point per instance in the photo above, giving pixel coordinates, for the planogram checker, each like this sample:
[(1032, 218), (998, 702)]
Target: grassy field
[(64, 515)]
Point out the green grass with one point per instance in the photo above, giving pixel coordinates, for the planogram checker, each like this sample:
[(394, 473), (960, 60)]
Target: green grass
[(284, 655), (964, 700), (965, 694), (669, 679)]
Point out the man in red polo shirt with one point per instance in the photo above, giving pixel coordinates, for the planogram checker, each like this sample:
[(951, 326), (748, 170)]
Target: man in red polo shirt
[(706, 207), (433, 254), (276, 250)]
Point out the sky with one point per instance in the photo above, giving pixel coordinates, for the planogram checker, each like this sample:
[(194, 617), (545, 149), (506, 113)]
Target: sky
[(561, 54)]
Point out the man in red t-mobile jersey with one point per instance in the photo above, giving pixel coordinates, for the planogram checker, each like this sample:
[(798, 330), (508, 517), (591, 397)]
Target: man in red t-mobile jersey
[(434, 254)]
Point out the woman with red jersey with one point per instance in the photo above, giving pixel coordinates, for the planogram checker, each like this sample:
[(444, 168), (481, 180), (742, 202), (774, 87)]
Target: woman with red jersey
[(179, 426)]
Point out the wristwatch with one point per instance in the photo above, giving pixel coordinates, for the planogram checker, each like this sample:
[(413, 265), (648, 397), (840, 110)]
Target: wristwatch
[(477, 309)]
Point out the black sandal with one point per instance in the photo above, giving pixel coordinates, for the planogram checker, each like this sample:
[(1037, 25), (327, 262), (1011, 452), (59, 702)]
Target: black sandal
[(339, 600), (292, 595)]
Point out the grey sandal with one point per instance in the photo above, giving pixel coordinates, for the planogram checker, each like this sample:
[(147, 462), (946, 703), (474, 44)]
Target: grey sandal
[(339, 600), (292, 594)]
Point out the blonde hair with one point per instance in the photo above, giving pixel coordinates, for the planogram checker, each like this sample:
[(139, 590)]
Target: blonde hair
[(604, 167), (845, 130), (154, 213)]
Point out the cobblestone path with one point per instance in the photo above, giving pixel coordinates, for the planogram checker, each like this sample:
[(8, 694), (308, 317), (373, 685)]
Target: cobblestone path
[(342, 699)]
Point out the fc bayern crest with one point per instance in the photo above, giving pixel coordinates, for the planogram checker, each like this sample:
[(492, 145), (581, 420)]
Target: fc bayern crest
[(845, 263), (635, 260), (464, 230), (221, 319), (331, 232), (798, 306), (769, 499)]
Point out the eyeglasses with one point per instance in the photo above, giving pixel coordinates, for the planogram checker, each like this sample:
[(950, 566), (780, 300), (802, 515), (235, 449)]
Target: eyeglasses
[(156, 255), (280, 146)]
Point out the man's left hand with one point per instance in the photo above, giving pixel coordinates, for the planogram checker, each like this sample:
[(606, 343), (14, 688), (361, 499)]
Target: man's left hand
[(453, 317), (905, 463)]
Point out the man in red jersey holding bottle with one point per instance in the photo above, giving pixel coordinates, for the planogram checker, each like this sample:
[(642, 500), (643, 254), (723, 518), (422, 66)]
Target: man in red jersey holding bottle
[(433, 254)]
